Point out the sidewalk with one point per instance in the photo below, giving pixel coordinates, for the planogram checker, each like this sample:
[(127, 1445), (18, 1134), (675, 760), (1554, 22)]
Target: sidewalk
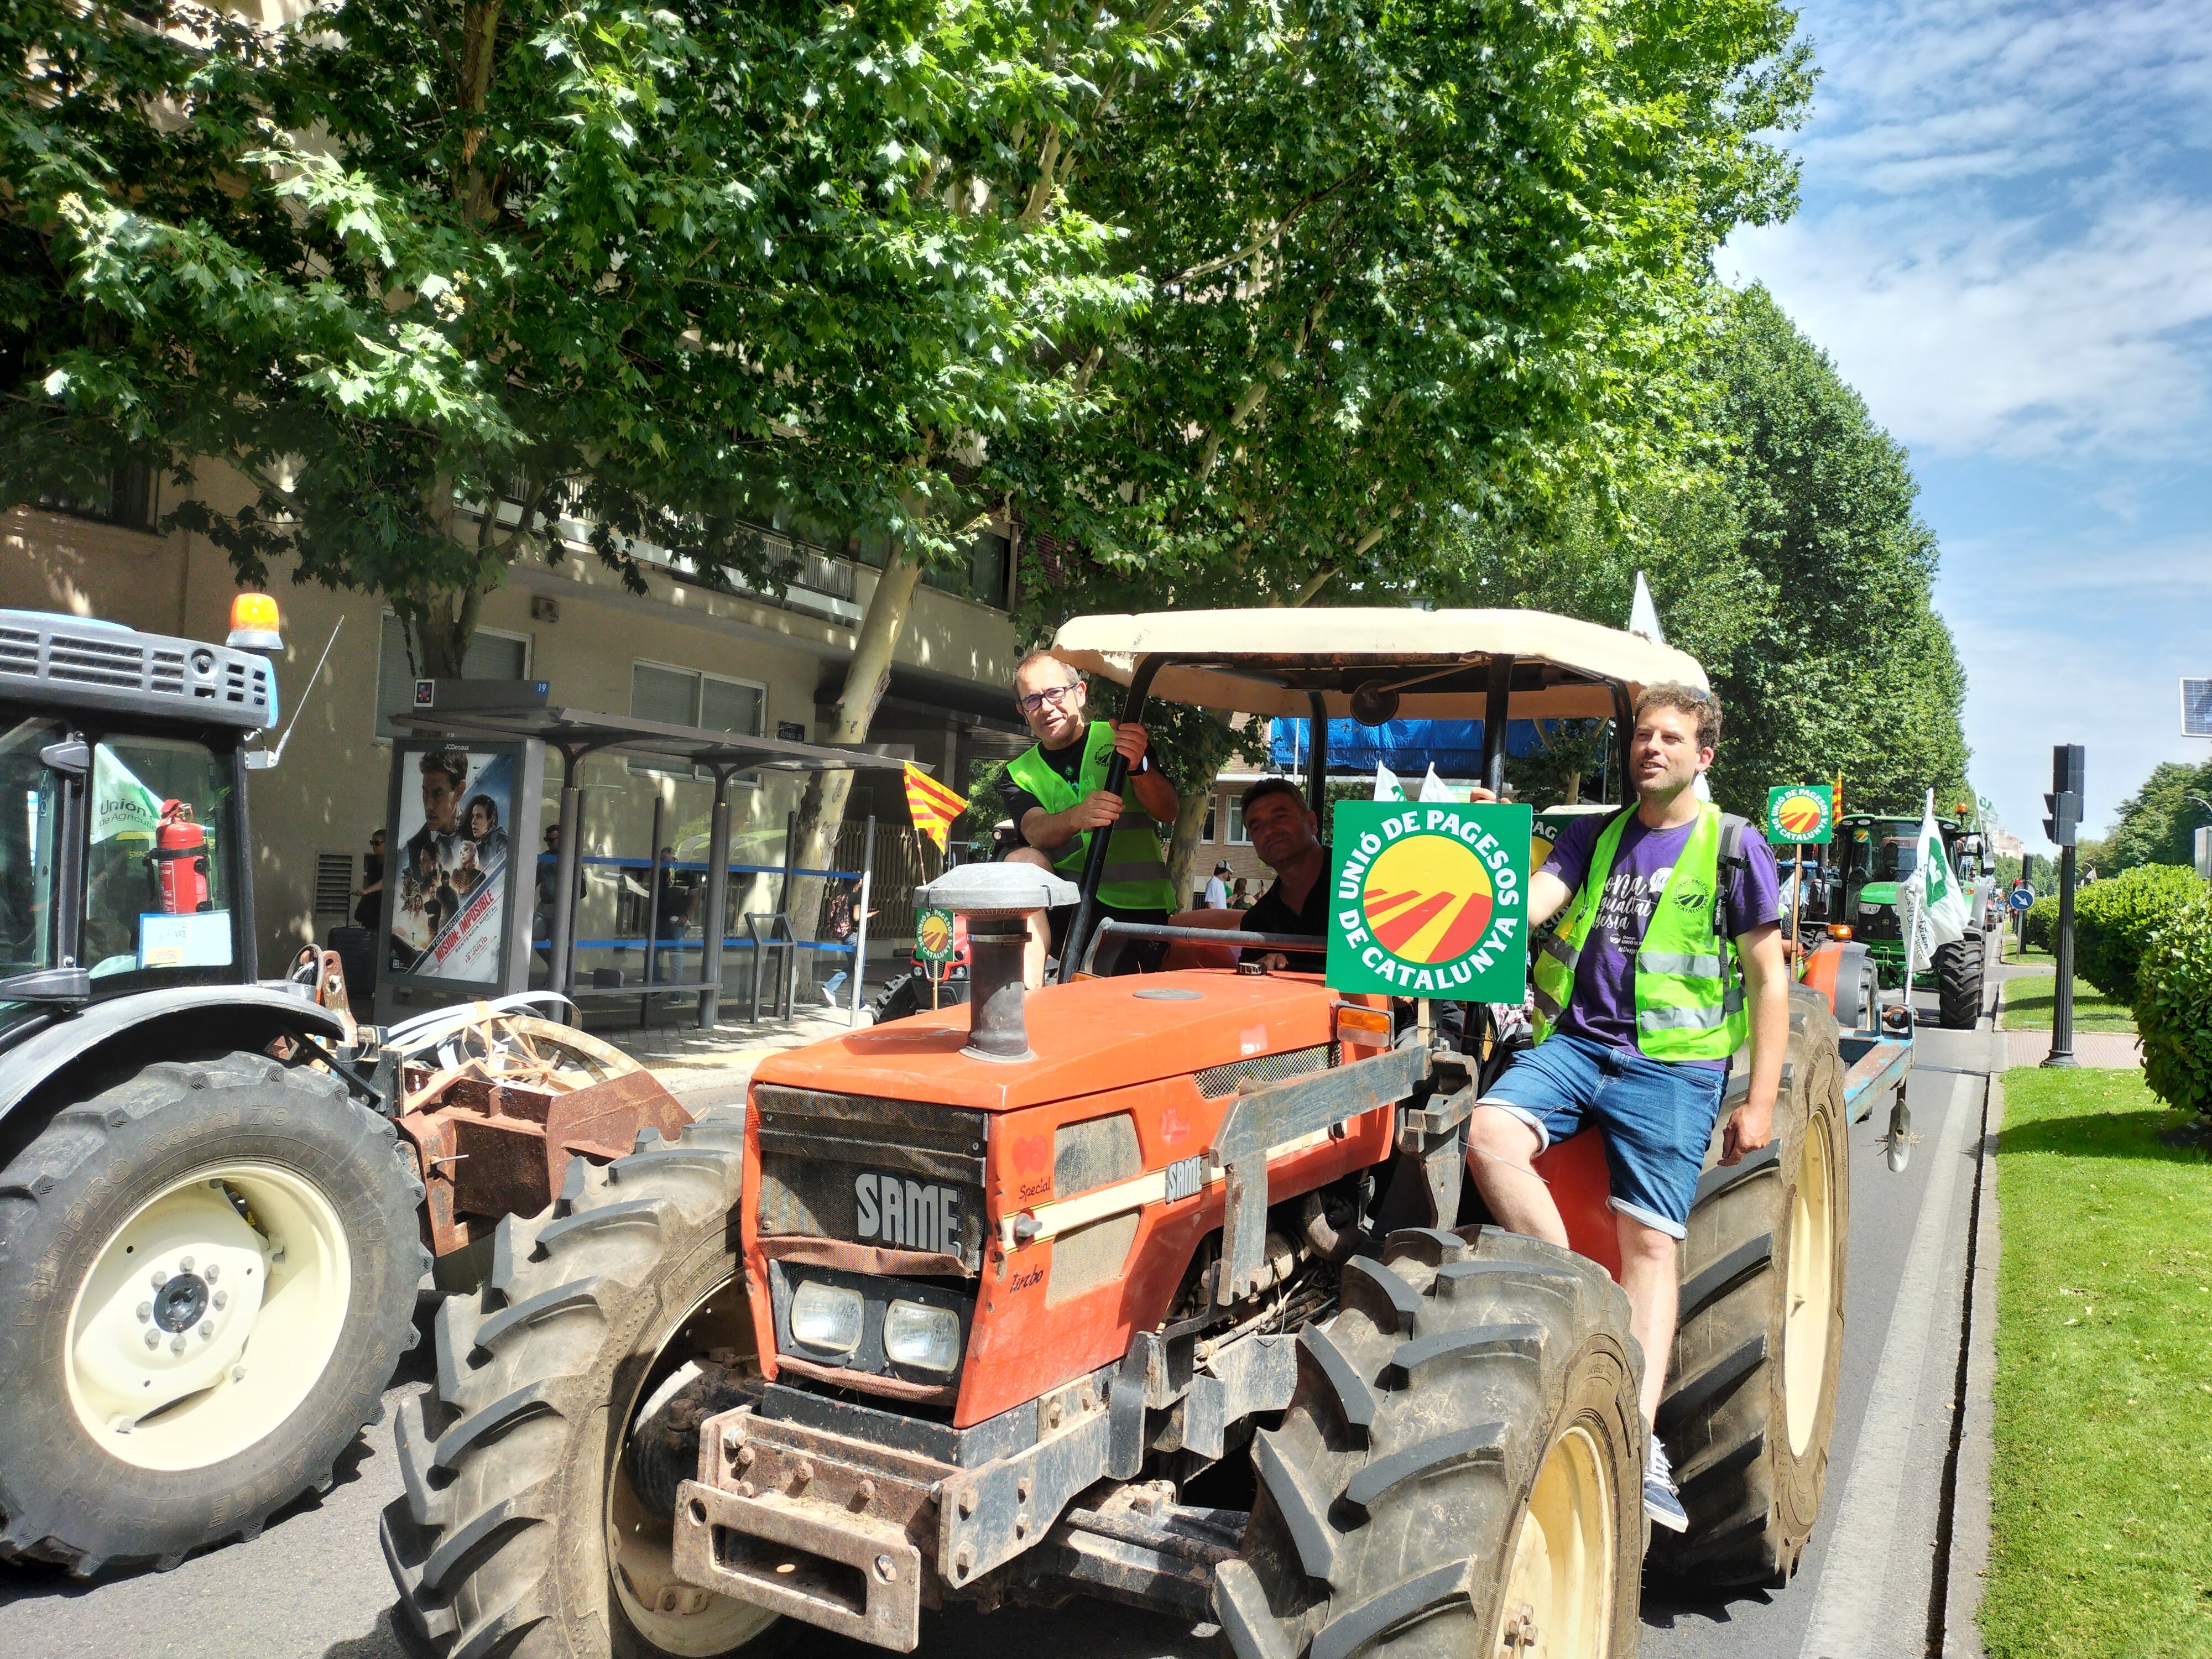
[(2112, 1050), (712, 1068)]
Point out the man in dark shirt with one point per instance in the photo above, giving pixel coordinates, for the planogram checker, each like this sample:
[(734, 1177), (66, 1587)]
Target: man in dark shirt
[(1286, 835)]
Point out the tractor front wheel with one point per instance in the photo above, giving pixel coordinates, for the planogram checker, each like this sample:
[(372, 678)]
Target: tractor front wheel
[(212, 1269), (533, 1526), (1460, 1469), (1958, 967)]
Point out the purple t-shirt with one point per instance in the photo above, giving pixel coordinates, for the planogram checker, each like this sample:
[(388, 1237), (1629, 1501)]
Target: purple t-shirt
[(1603, 1008)]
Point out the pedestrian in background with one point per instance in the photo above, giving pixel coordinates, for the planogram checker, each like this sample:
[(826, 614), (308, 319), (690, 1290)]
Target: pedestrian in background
[(1217, 889), (368, 897)]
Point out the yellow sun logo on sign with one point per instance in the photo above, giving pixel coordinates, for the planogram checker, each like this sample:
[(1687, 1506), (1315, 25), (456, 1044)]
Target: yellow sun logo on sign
[(1427, 898)]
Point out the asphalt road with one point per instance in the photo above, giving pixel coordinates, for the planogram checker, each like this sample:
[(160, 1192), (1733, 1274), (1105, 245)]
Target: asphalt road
[(313, 1586)]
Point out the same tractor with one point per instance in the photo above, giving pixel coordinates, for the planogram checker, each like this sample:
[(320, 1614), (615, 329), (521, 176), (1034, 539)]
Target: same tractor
[(1163, 1287)]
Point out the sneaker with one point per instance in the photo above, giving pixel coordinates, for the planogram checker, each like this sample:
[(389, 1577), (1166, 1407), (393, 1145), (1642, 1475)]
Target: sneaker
[(1662, 1502)]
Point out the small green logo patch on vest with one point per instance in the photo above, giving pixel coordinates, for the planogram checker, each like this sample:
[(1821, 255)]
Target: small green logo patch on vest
[(1430, 900)]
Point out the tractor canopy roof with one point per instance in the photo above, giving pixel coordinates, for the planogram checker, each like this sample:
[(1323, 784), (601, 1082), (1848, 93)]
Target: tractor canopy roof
[(1423, 664)]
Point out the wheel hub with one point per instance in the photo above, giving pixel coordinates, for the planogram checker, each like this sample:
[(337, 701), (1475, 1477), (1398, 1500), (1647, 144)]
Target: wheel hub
[(180, 1302), (207, 1316)]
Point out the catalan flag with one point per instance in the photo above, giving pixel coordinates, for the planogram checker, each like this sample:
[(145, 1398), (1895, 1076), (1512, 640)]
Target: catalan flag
[(933, 805)]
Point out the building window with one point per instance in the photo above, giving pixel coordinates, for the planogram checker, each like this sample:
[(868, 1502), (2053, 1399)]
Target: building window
[(1237, 836), (127, 500), (685, 697), (491, 656), (1207, 834)]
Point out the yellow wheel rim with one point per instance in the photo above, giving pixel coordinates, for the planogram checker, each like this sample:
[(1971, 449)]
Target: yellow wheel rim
[(1559, 1594), (676, 1616), (1807, 1320), (209, 1316)]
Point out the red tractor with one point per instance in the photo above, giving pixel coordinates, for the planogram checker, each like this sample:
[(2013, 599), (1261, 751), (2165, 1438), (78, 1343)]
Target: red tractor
[(1161, 1287)]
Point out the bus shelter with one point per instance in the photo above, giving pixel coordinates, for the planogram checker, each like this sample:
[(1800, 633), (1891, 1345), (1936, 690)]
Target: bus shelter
[(574, 734)]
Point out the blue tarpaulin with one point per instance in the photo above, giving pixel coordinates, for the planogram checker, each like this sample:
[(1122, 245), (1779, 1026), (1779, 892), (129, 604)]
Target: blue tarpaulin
[(1408, 748)]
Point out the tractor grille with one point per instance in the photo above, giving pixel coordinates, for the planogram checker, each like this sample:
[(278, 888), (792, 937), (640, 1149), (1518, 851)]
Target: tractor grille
[(94, 665), (890, 1174), (1219, 1082)]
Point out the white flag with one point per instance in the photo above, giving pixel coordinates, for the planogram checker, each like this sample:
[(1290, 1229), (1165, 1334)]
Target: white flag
[(1434, 788), (1387, 786), (1938, 907), (1642, 614)]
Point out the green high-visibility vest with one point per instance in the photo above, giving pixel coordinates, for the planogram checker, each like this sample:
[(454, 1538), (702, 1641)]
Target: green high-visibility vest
[(1689, 985), (1136, 876)]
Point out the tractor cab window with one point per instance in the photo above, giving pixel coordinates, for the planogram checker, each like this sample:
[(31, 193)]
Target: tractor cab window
[(157, 872), (1892, 857), (30, 808)]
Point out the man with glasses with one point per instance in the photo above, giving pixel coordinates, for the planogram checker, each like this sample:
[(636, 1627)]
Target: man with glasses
[(1055, 794), (1669, 956)]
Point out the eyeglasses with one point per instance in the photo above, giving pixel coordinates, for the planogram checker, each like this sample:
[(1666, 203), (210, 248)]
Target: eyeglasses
[(1054, 694)]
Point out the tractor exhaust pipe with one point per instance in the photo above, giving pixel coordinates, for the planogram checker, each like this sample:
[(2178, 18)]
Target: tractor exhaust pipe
[(996, 901)]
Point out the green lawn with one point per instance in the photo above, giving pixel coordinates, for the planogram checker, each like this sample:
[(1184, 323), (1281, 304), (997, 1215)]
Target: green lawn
[(2028, 1000), (2014, 953), (2102, 1482)]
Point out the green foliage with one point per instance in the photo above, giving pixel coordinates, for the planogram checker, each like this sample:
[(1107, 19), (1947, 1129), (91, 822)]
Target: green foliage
[(2042, 932), (670, 271), (1408, 263), (2113, 919), (1792, 566), (2158, 823), (2173, 1005)]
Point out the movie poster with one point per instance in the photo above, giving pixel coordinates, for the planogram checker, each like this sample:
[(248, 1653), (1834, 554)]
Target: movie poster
[(453, 841)]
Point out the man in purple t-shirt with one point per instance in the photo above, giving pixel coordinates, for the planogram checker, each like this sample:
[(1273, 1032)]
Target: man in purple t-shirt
[(1655, 1115)]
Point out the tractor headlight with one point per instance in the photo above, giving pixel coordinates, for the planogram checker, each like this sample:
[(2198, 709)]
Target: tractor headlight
[(826, 1316), (926, 1338)]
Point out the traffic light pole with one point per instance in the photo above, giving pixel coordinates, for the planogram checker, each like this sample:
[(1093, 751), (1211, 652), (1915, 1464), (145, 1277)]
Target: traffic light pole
[(2061, 1006)]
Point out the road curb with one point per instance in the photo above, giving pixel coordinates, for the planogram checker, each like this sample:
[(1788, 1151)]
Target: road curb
[(1967, 1560)]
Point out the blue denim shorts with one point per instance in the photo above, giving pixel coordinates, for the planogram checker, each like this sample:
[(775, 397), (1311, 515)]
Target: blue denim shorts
[(1657, 1118)]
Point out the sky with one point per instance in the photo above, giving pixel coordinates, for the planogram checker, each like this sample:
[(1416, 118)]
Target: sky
[(2005, 244)]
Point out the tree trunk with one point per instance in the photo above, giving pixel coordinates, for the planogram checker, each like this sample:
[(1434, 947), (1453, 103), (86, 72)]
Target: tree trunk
[(1182, 845), (822, 809)]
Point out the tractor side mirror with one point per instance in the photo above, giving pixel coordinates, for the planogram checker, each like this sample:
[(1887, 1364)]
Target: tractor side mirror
[(71, 756)]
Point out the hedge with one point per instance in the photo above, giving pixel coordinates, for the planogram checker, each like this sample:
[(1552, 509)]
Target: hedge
[(2173, 1006), (2113, 919), (2043, 924)]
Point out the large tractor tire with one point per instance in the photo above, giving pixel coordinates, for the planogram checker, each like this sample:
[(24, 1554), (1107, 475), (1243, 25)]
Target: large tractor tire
[(1461, 1471), (1751, 1401), (210, 1272), (1959, 966), (522, 1531)]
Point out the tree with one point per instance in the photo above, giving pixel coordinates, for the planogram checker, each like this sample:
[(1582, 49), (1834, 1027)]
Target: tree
[(1788, 560), (674, 269), (2159, 822), (1405, 263)]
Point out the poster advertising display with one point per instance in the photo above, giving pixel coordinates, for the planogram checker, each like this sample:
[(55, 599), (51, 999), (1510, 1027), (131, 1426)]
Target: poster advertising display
[(450, 890), (1430, 900)]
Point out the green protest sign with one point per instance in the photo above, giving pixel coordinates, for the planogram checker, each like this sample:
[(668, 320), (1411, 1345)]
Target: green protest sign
[(1801, 815), (934, 939), (1430, 900)]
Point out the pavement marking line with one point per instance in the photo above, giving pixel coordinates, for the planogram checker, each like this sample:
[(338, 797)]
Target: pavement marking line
[(1852, 1597)]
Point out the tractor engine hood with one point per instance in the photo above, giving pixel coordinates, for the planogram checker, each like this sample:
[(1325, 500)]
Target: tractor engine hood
[(1089, 1036)]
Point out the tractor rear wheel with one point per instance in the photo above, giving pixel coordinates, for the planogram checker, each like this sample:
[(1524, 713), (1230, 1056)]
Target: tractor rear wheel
[(211, 1267), (522, 1530), (1751, 1398), (1959, 983), (1460, 1473)]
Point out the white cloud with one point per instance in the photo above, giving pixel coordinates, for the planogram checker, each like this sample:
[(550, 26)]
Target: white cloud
[(1983, 337), (2006, 237)]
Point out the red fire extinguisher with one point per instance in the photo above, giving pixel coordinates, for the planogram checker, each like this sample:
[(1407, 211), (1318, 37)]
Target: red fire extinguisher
[(179, 857)]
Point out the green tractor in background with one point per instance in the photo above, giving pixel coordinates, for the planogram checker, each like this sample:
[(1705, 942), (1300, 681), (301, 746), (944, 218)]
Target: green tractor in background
[(1873, 856)]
